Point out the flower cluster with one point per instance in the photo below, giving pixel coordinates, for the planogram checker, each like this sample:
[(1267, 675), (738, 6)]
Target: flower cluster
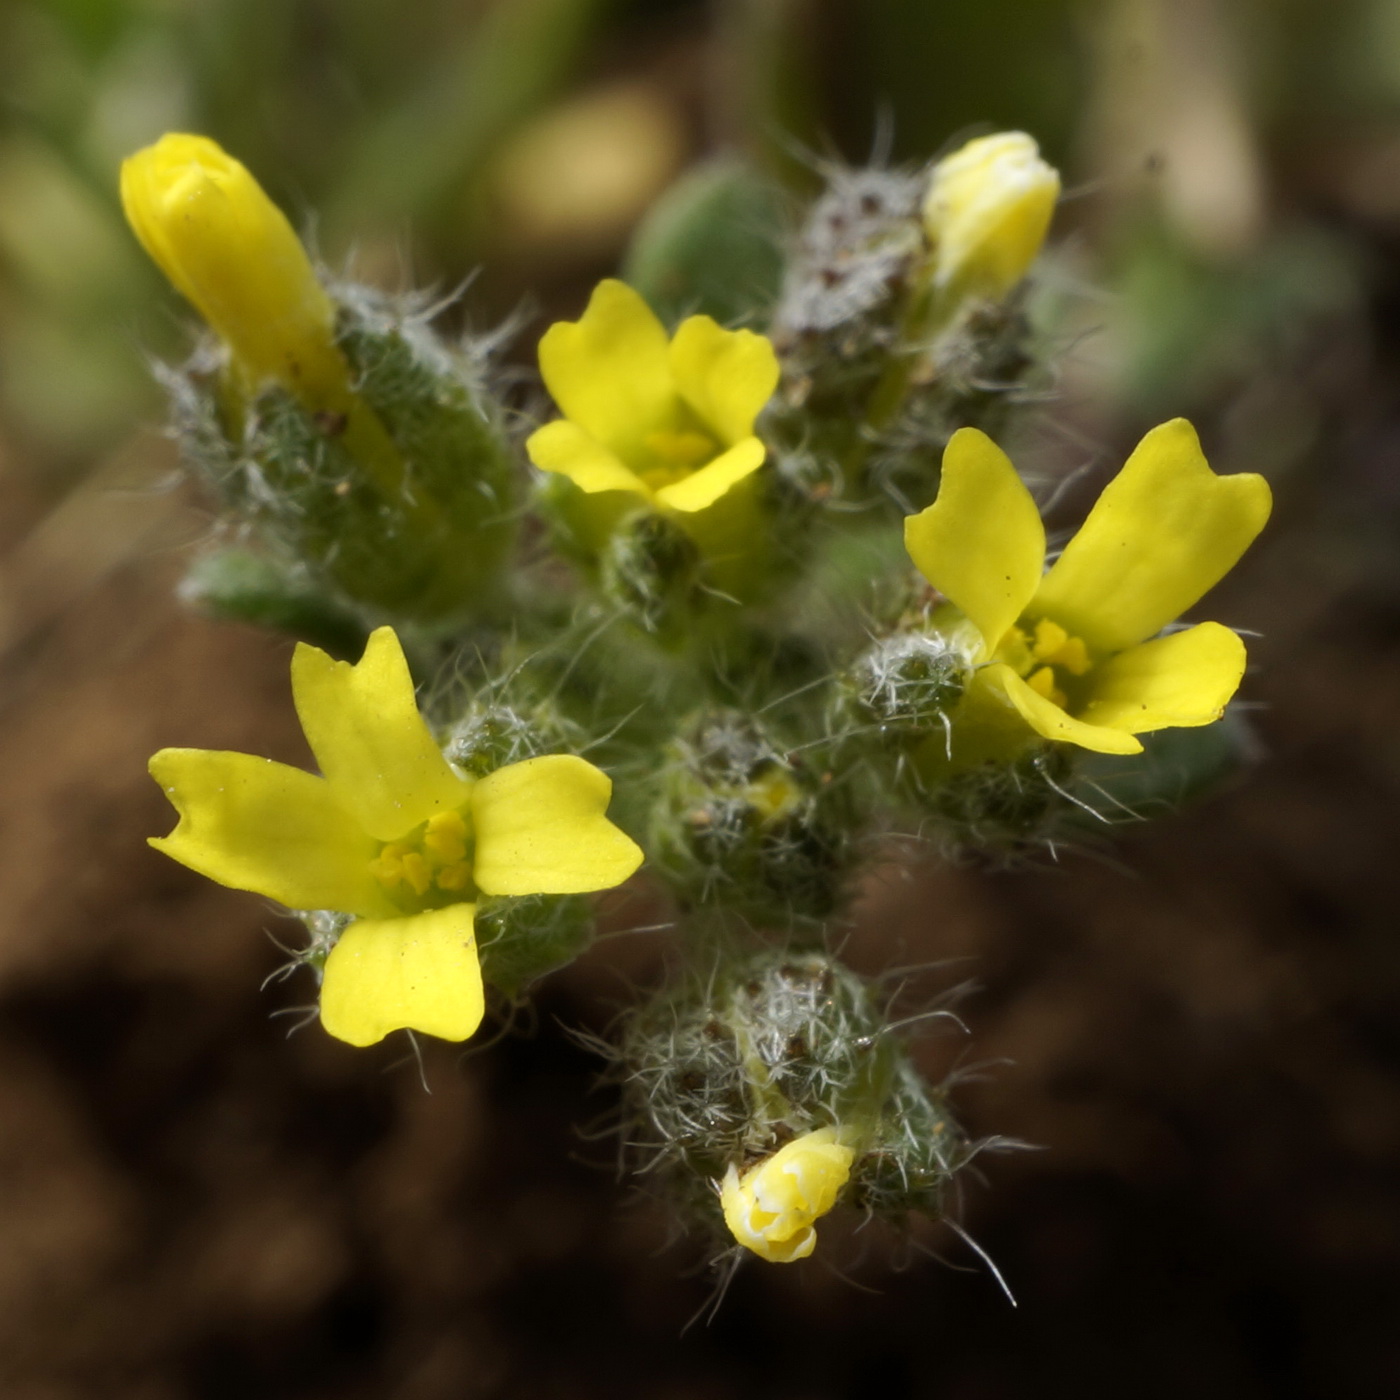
[(722, 495)]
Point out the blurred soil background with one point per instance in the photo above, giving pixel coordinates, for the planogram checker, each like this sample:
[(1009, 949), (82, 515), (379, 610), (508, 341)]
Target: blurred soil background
[(1198, 1025)]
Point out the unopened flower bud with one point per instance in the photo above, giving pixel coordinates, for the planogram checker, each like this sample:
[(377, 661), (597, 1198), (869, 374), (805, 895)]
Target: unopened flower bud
[(779, 1079), (771, 1209), (230, 251), (741, 823), (987, 211)]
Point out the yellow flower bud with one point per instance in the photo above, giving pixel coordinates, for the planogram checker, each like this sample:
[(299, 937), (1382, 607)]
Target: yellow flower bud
[(231, 252), (987, 211), (771, 1208)]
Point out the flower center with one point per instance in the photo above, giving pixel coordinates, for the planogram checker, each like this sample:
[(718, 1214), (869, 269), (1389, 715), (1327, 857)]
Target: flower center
[(675, 454), (430, 867), (1048, 658)]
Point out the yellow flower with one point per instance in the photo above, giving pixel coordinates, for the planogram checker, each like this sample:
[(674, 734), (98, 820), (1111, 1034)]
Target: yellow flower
[(1068, 651), (987, 212), (392, 835), (671, 421), (771, 1208), (231, 252)]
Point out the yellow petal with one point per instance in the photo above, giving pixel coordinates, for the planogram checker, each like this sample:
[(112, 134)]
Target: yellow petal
[(771, 1208), (540, 829), (725, 376), (988, 209), (564, 447), (420, 973), (609, 371), (231, 252), (1182, 680), (703, 488), (1165, 530), (1048, 720), (257, 825), (373, 746), (981, 543)]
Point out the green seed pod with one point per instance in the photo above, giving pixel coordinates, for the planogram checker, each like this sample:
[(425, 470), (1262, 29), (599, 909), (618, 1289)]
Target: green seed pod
[(726, 1067), (403, 506), (742, 825)]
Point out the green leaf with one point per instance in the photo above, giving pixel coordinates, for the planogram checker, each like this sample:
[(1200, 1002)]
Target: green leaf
[(711, 244)]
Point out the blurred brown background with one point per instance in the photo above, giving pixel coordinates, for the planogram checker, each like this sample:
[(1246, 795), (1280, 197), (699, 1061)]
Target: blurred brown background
[(1201, 1032)]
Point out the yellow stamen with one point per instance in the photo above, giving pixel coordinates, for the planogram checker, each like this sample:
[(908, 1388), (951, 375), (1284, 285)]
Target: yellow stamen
[(456, 876), (681, 449), (417, 872), (1049, 638), (446, 837), (1043, 683), (388, 865), (1054, 646), (439, 854)]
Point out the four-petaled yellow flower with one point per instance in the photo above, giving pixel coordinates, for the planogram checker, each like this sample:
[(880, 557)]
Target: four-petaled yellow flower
[(987, 212), (772, 1207), (671, 421), (229, 250), (1074, 653), (392, 835)]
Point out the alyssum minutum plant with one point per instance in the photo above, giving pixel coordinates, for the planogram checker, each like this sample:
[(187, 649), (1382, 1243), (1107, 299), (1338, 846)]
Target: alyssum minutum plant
[(779, 581)]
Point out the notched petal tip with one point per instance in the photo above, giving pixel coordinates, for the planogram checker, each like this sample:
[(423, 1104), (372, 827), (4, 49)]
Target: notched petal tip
[(981, 543), (374, 747), (257, 825), (1163, 532), (541, 829), (418, 973)]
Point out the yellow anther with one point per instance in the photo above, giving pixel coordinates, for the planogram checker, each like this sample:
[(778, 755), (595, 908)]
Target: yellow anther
[(1043, 683), (1056, 647), (682, 449), (1074, 657), (446, 837), (417, 872), (1049, 638), (387, 867), (456, 876), (438, 855)]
